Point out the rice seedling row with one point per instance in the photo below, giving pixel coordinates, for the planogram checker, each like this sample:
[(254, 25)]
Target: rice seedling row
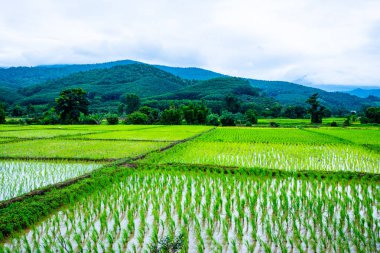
[(214, 213)]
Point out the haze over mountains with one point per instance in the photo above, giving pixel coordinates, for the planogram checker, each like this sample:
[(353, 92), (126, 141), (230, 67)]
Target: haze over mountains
[(107, 83)]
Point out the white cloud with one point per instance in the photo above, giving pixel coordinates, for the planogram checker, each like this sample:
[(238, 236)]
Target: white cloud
[(328, 41)]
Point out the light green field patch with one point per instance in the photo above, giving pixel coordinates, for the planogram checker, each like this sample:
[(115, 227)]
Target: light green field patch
[(358, 136), (290, 157), (267, 135), (43, 133), (168, 133), (19, 177), (75, 149)]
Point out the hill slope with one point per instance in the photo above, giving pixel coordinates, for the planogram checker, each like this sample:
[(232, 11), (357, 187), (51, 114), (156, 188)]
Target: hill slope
[(107, 84), (294, 94)]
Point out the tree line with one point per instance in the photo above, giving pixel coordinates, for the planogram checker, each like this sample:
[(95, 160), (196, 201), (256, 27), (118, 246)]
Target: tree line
[(72, 107)]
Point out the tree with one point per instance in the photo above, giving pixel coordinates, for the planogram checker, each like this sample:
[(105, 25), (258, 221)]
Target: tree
[(171, 116), (227, 119), (152, 113), (232, 103), (17, 111), (212, 119), (250, 116), (372, 114), (132, 102), (195, 113), (120, 109), (70, 104), (2, 114), (295, 112), (316, 110)]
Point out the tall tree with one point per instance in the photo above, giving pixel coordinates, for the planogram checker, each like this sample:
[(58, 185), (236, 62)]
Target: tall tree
[(2, 113), (316, 110), (232, 103), (70, 104), (133, 103)]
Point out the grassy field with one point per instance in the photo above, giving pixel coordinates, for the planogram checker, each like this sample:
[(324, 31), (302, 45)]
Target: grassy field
[(233, 189), (284, 149)]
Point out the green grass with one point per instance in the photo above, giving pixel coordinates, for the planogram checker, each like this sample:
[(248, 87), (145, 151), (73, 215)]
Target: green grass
[(168, 133), (299, 122), (358, 136), (43, 133), (74, 149), (289, 157), (267, 135)]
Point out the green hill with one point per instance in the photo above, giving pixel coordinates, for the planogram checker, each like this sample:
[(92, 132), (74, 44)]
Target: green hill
[(107, 84), (294, 94)]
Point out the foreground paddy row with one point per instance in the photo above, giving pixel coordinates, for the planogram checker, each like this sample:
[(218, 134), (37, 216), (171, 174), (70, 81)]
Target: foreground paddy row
[(215, 213)]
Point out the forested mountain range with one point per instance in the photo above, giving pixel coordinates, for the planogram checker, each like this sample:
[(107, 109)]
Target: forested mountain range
[(108, 83)]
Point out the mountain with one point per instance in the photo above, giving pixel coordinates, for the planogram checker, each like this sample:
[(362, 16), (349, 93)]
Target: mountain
[(364, 93), (190, 73), (106, 83), (295, 94)]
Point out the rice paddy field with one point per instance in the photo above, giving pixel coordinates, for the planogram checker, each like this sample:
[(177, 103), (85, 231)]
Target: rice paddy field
[(189, 189)]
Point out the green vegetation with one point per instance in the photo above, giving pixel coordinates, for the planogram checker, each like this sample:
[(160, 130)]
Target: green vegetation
[(19, 177), (190, 188), (238, 212)]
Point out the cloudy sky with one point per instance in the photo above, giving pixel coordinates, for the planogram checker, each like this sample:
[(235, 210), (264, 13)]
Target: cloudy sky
[(318, 41)]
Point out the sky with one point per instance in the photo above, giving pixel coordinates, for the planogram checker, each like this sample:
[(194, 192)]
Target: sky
[(307, 41)]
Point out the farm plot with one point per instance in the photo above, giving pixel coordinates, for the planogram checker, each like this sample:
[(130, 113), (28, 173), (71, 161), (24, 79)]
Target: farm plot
[(358, 136), (167, 133), (267, 135), (215, 213), (74, 149), (257, 148), (42, 133), (19, 177)]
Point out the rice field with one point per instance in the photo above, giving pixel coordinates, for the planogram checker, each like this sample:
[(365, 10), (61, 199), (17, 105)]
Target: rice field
[(281, 149), (74, 149), (232, 189), (19, 177), (166, 133), (215, 212)]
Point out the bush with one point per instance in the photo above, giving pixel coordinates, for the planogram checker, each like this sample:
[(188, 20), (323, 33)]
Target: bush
[(137, 118), (334, 124), (212, 120), (112, 119), (92, 119), (227, 119), (364, 120), (273, 124)]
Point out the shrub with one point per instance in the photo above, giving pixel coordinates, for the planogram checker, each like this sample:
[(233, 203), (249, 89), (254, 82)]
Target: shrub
[(137, 118), (227, 119), (112, 119), (334, 124), (92, 119), (212, 120), (273, 124)]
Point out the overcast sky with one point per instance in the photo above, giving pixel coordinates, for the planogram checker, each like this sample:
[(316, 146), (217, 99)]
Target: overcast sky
[(318, 41)]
